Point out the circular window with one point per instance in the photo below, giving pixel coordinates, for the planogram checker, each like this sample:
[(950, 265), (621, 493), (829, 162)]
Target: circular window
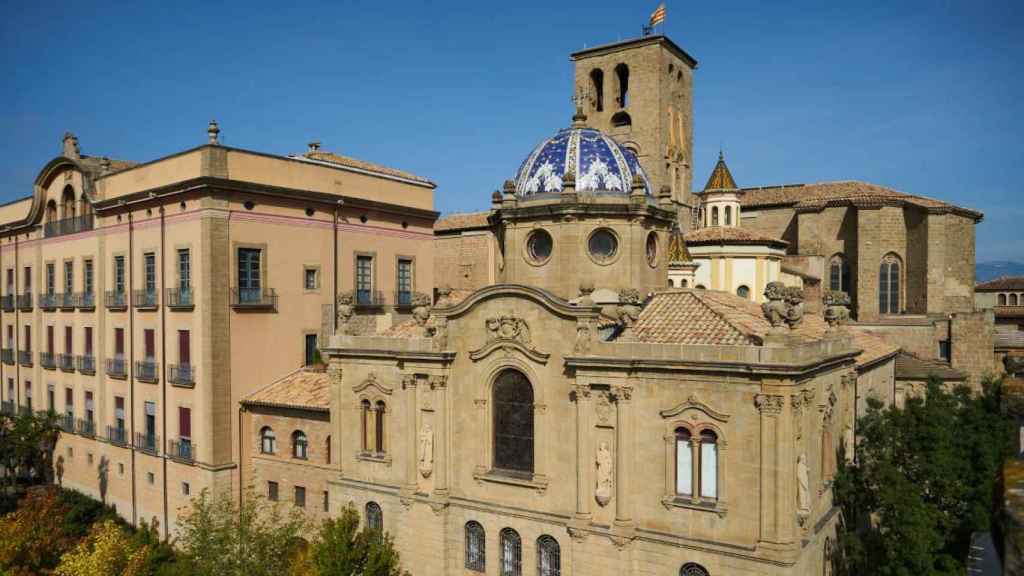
[(743, 292), (652, 249), (539, 246), (603, 245)]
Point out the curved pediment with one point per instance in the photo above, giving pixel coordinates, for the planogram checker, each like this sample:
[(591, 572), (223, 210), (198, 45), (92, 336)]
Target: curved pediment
[(39, 187), (372, 382), (542, 297), (692, 403), (507, 345)]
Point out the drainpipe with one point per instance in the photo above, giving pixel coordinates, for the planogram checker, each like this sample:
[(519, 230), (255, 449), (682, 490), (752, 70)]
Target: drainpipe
[(163, 361), (334, 265), (130, 368)]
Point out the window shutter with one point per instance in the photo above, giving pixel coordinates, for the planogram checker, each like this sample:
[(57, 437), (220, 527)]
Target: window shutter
[(184, 347), (185, 422)]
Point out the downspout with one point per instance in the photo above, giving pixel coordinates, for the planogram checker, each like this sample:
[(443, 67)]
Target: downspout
[(334, 264), (241, 460), (17, 329), (130, 369), (163, 360)]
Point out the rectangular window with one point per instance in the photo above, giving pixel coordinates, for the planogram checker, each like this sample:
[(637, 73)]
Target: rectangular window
[(708, 470), (150, 478), (119, 274), (50, 402), (184, 347), (310, 349), (27, 344), (272, 491), (249, 272), (149, 269), (404, 282), (28, 395), (49, 339), (28, 279), (119, 342), (69, 276), (10, 336), (10, 281), (88, 406), (185, 423), (185, 489), (364, 279), (150, 408), (69, 402), (327, 501), (300, 496), (51, 278), (684, 467), (87, 277), (309, 278), (10, 389), (119, 412), (184, 269), (149, 339), (88, 340), (944, 350), (67, 340)]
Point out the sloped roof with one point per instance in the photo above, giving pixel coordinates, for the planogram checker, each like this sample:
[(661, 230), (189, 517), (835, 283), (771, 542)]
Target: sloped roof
[(1002, 283), (332, 158), (844, 193), (304, 389), (730, 235), (677, 251), (462, 221), (710, 317), (910, 367), (721, 177)]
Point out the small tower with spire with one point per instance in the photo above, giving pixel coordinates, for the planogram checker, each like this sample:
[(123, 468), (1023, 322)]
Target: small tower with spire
[(720, 199), (681, 267)]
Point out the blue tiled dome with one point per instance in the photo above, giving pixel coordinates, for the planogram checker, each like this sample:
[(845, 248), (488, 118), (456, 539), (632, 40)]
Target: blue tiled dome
[(600, 164)]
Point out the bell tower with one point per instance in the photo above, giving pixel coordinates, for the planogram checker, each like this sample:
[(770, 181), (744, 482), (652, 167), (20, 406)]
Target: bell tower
[(640, 92)]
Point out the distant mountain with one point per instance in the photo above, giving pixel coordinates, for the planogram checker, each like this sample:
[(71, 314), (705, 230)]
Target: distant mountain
[(985, 271)]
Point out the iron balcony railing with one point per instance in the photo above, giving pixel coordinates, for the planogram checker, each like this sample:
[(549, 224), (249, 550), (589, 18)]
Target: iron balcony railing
[(86, 427), (71, 225), (85, 300), (25, 357), (67, 423), (86, 364), (182, 449), (25, 302), (145, 370), (116, 300), (48, 301), (117, 435), (145, 299), (66, 301), (7, 302), (116, 367), (253, 298), (7, 407), (47, 360), (180, 298), (369, 298), (181, 374), (66, 362), (146, 442), (7, 356)]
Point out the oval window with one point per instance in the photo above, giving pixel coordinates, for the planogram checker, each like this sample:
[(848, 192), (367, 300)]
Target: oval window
[(603, 245), (538, 246), (743, 292), (652, 249)]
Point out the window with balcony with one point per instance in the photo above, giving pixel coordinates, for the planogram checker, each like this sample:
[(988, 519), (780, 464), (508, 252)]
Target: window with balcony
[(182, 448), (87, 361), (68, 297), (117, 433), (116, 365), (28, 396), (147, 297), (66, 361), (88, 298), (181, 297), (51, 278), (249, 279), (364, 281), (404, 283), (147, 440), (25, 354), (46, 358), (181, 374), (116, 298), (145, 369)]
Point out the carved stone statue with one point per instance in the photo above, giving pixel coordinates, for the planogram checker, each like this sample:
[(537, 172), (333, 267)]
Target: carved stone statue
[(775, 308), (508, 327), (345, 313), (444, 294), (426, 450), (582, 344), (603, 491), (794, 306), (628, 310), (803, 486), (837, 309)]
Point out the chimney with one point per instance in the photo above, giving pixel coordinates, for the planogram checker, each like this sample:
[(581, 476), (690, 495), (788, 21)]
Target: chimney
[(71, 146), (213, 131), (314, 146)]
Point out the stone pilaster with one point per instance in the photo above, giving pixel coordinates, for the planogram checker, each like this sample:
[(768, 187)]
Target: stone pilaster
[(581, 394), (411, 409), (776, 526), (623, 455), (440, 385)]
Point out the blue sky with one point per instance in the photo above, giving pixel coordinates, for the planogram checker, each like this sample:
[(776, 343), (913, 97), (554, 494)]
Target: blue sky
[(922, 96)]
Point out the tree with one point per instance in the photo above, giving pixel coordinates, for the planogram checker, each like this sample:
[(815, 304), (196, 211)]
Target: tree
[(220, 537), (922, 483), (342, 549), (107, 550)]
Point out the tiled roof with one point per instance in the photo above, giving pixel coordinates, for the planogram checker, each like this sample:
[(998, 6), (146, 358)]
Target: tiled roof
[(1002, 283), (462, 221), (677, 251), (304, 389), (910, 367), (730, 235), (843, 193), (721, 178), (710, 317), (332, 158)]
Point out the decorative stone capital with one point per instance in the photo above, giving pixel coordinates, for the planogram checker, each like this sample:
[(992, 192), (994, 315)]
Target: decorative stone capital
[(771, 404)]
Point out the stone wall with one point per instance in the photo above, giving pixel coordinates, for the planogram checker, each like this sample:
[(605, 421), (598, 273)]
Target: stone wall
[(312, 473), (464, 261), (971, 335)]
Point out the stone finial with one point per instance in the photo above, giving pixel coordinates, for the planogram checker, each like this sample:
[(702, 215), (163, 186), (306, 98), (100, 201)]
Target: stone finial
[(665, 195), (638, 184), (794, 306), (508, 188), (213, 131), (836, 307), (314, 146), (628, 310), (586, 290), (569, 186), (579, 119), (444, 295), (104, 165), (71, 149), (775, 306)]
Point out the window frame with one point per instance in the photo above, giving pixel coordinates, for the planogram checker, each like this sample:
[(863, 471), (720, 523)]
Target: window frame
[(549, 551), (475, 553), (499, 463), (510, 545), (300, 445), (268, 439)]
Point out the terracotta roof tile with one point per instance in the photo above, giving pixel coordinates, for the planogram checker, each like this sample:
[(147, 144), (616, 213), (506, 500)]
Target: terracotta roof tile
[(1002, 283), (842, 193), (332, 158), (304, 389), (462, 221), (910, 367), (729, 235)]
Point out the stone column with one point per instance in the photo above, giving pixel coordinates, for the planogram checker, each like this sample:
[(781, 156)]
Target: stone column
[(623, 454), (773, 518), (411, 407), (581, 394), (440, 384), (334, 372)]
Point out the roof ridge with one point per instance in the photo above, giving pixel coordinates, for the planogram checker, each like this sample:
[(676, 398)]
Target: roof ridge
[(272, 382), (725, 318)]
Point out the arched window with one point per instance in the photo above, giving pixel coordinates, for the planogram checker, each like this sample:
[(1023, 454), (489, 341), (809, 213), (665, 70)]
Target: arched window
[(682, 284), (513, 422), (327, 450), (268, 442), (889, 285), (684, 463), (476, 547), (671, 283), (67, 203), (700, 287), (364, 409), (1013, 299), (378, 426), (511, 553), (597, 85), (708, 464), (728, 215), (839, 274), (621, 118), (300, 446), (549, 557), (714, 216), (692, 569), (51, 211), (622, 74), (374, 517), (1002, 299), (743, 292)]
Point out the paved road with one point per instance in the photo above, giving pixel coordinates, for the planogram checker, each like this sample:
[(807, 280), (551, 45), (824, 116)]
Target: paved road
[(983, 559)]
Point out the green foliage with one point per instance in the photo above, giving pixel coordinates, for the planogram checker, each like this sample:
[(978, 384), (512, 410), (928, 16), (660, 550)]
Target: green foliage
[(27, 442), (341, 549), (923, 482)]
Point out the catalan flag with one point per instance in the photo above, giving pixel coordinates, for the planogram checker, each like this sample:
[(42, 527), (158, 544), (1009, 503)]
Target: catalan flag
[(658, 16)]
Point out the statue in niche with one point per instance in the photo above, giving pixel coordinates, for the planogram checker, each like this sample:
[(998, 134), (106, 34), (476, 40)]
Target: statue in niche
[(603, 493), (803, 485), (426, 450)]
